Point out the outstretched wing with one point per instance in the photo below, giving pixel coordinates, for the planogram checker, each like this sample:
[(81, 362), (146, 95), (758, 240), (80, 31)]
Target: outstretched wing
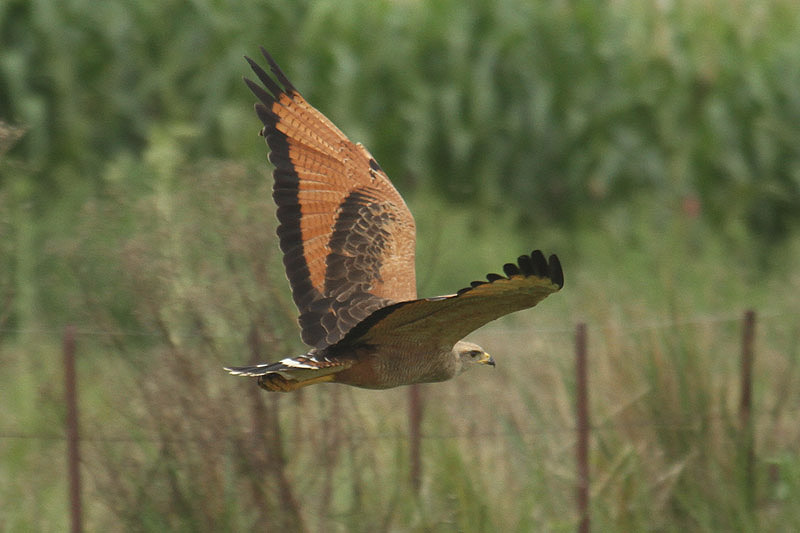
[(444, 320), (347, 236)]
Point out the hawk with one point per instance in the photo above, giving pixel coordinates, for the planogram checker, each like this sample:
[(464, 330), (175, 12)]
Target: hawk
[(348, 241)]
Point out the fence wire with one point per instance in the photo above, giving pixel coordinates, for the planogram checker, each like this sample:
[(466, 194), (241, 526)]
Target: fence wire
[(677, 425), (653, 324), (573, 432)]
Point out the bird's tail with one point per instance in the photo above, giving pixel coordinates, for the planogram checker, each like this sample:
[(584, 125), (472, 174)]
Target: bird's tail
[(291, 367), (253, 371), (291, 373)]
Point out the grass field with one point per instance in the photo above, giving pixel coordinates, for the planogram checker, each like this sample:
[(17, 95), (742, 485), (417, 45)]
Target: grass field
[(174, 443), (652, 146)]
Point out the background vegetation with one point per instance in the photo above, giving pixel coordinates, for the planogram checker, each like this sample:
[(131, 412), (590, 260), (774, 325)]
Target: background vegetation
[(654, 146)]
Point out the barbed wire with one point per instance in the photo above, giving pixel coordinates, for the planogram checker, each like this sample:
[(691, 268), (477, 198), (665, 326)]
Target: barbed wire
[(673, 425), (655, 324)]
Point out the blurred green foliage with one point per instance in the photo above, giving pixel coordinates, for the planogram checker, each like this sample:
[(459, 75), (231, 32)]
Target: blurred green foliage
[(636, 139), (553, 112), (555, 109)]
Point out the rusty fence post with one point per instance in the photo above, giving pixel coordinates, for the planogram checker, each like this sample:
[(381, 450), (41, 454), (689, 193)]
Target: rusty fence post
[(582, 418), (746, 404), (415, 436), (73, 435)]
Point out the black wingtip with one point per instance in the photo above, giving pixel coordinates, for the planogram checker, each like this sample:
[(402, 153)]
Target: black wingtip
[(545, 268), (268, 82), (510, 269), (527, 265), (556, 273), (540, 263), (273, 66), (536, 265), (281, 86)]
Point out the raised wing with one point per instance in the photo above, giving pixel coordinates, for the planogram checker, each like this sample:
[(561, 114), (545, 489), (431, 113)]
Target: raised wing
[(444, 320), (347, 236)]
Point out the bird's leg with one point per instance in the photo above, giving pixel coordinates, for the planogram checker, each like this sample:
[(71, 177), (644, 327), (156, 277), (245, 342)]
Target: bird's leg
[(274, 382), (277, 383)]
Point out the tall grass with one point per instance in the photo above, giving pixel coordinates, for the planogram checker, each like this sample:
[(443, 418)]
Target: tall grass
[(174, 443), (652, 146)]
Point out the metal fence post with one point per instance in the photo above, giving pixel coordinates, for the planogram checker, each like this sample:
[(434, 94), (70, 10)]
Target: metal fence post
[(415, 436), (582, 417), (73, 435), (746, 403)]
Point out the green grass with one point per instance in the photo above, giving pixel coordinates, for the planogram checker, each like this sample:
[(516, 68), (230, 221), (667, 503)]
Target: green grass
[(174, 443), (651, 145)]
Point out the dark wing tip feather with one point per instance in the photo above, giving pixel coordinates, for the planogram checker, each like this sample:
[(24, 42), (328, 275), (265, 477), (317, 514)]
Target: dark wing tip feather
[(273, 66), (534, 264), (556, 273), (527, 267), (510, 269), (268, 82), (266, 98), (540, 267), (276, 88)]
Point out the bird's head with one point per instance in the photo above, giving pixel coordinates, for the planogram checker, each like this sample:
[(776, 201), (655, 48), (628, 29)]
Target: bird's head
[(468, 354)]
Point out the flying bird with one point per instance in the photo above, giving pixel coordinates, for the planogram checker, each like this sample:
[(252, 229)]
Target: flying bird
[(348, 241)]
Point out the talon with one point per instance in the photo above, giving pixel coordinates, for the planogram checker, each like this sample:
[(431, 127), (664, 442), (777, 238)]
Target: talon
[(275, 383)]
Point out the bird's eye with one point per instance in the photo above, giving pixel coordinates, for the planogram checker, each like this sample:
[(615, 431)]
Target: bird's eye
[(475, 353)]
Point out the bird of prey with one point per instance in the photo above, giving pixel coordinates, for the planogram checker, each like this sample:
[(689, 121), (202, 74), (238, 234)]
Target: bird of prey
[(348, 241)]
